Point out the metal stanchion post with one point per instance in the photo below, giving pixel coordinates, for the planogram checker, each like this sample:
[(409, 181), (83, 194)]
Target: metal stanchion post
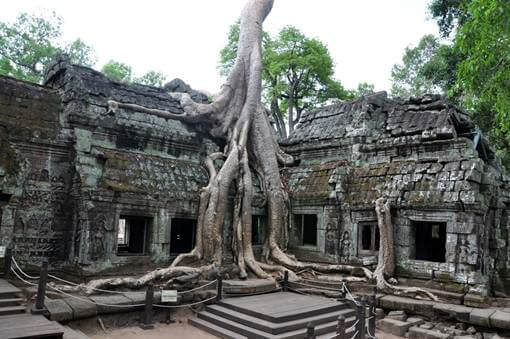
[(340, 327), (7, 263), (310, 331), (285, 281), (219, 289), (147, 316), (39, 307)]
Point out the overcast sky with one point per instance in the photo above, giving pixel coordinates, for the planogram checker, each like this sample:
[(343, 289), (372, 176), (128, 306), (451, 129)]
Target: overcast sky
[(183, 38)]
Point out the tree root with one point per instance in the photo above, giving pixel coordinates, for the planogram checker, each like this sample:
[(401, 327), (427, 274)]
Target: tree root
[(237, 115)]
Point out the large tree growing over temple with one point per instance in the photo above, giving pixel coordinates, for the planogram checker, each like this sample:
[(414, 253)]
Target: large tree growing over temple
[(297, 74), (237, 115)]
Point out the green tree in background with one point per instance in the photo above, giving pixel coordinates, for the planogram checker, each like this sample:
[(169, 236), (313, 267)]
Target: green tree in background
[(122, 72), (151, 78), (118, 71), (364, 88), (31, 42), (297, 74), (484, 73)]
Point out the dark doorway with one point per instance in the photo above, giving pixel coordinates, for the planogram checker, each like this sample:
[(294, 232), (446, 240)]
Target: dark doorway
[(132, 235), (258, 229), (182, 236), (369, 238), (430, 240), (306, 225)]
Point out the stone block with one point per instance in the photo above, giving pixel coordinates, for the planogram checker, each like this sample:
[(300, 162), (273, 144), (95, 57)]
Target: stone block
[(118, 301), (59, 310), (393, 326), (481, 316), (421, 333), (82, 308), (500, 319), (421, 307), (397, 315), (414, 321), (475, 300)]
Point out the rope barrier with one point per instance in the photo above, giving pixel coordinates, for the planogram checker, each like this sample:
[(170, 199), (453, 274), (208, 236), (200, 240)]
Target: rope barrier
[(321, 281), (93, 288), (22, 272), (20, 278), (109, 305), (253, 294), (185, 305), (349, 295), (353, 326), (316, 287)]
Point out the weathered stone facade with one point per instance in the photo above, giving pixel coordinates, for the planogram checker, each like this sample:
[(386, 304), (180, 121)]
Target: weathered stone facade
[(430, 160), (72, 175)]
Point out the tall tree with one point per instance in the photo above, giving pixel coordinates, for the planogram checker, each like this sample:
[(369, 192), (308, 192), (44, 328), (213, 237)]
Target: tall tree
[(413, 76), (31, 42), (237, 115), (449, 14), (297, 74), (484, 73)]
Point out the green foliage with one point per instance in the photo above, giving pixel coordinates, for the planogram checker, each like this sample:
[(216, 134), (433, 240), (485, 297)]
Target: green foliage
[(410, 78), (31, 42), (484, 73), (151, 78), (449, 14), (118, 71), (297, 73), (121, 72), (364, 88)]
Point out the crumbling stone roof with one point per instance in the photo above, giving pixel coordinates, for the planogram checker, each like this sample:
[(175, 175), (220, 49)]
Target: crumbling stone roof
[(422, 152)]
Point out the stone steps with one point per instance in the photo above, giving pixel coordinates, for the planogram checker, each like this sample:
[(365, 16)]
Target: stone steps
[(278, 328), (273, 316)]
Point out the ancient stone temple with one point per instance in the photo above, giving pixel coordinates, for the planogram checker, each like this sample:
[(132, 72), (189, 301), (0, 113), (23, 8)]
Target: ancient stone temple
[(97, 191)]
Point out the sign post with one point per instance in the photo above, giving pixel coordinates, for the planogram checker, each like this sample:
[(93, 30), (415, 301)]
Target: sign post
[(171, 297)]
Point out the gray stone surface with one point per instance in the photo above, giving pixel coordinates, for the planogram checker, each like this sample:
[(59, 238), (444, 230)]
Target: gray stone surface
[(397, 315), (421, 307), (82, 309), (481, 317), (421, 333), (393, 326), (458, 312), (500, 319), (59, 310)]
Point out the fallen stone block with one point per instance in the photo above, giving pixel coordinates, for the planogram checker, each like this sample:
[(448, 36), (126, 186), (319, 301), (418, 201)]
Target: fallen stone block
[(481, 316), (414, 321), (393, 326), (82, 308), (59, 310), (458, 312), (397, 315), (421, 307), (500, 319), (379, 313), (421, 333)]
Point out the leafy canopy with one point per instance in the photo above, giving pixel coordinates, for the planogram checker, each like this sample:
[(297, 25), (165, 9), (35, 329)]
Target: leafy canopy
[(122, 72), (31, 42), (297, 74)]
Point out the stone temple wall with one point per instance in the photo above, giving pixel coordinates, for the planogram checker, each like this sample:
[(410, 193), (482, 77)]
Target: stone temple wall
[(434, 166), (71, 172)]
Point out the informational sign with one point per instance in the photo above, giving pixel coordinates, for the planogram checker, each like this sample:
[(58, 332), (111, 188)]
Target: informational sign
[(169, 296), (2, 251)]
